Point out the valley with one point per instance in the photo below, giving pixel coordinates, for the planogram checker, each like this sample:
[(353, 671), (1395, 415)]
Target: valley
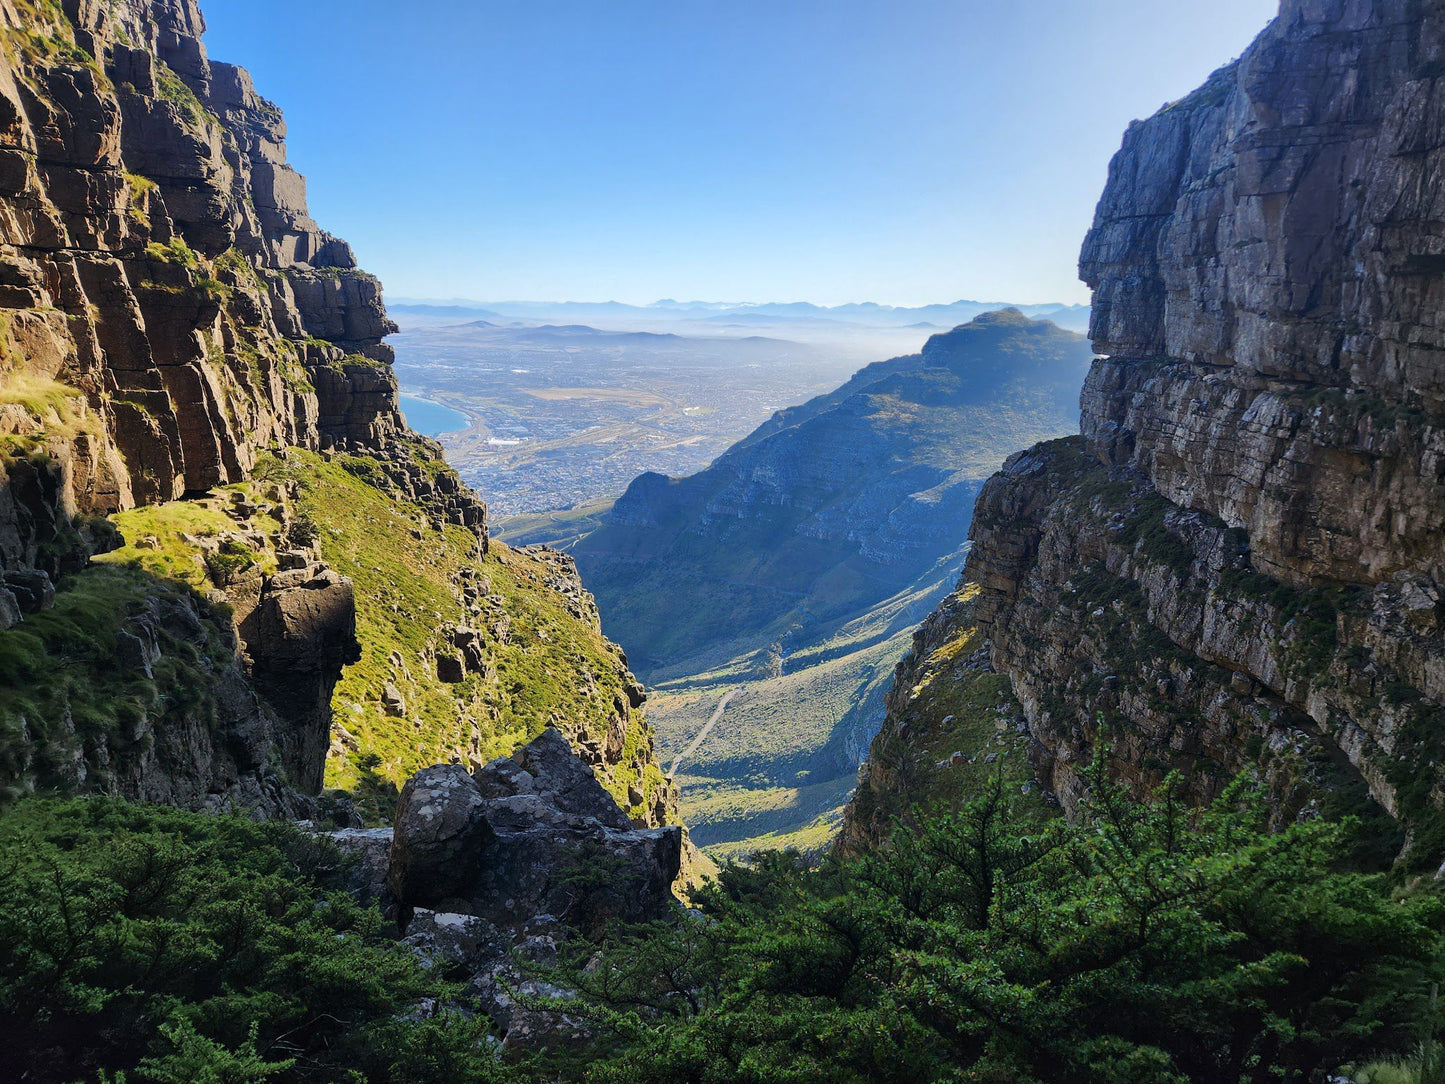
[(787, 577), (851, 694)]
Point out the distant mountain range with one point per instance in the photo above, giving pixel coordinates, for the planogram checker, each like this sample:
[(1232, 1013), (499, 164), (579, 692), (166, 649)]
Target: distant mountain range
[(864, 314), (518, 333)]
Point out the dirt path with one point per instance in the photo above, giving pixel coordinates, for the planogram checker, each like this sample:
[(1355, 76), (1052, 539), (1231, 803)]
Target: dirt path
[(701, 734)]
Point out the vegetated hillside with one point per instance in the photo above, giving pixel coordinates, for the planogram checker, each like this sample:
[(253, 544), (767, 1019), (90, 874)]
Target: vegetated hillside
[(791, 572), (831, 506), (1239, 561), (183, 351)]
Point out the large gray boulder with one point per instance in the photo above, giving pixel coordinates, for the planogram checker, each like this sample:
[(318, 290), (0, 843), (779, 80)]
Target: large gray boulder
[(441, 828), (492, 872), (530, 835)]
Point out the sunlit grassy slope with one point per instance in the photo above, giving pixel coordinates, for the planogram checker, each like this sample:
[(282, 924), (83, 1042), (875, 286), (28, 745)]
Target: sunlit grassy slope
[(779, 765), (548, 667)]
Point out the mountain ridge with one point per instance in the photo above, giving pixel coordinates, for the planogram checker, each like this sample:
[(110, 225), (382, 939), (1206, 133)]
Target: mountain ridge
[(790, 570)]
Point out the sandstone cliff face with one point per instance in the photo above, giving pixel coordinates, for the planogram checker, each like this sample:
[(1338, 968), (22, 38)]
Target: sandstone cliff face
[(1241, 558), (156, 257), (172, 325)]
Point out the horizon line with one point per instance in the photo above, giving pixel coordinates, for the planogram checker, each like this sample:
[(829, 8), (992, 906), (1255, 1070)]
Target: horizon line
[(404, 299)]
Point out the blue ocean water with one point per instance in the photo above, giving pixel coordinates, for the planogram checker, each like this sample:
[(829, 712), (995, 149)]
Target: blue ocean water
[(429, 418)]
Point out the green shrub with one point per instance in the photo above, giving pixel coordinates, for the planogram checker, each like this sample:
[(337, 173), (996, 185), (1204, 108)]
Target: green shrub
[(173, 946), (1148, 942)]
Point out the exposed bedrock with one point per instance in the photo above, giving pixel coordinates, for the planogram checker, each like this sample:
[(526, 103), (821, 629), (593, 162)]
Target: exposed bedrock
[(157, 260), (1240, 560), (507, 863)]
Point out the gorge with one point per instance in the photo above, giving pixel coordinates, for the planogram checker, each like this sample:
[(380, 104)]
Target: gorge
[(305, 775), (787, 575)]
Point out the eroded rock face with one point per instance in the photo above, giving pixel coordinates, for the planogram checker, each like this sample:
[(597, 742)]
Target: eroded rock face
[(211, 741), (1241, 560), (508, 863), (158, 261), (169, 309)]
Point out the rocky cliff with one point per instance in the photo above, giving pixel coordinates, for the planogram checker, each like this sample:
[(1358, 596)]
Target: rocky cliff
[(184, 351), (1240, 559)]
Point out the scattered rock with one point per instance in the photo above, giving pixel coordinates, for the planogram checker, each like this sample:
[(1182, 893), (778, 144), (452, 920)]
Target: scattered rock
[(392, 702), (10, 613)]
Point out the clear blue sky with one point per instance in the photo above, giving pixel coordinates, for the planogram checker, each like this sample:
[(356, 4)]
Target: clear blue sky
[(901, 151)]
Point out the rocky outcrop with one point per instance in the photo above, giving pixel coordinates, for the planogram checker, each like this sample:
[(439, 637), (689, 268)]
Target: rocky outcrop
[(180, 721), (1240, 561), (511, 842), (168, 308), (303, 632), (502, 866)]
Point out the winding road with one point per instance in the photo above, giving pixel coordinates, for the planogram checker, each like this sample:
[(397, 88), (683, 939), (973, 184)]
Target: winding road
[(701, 734)]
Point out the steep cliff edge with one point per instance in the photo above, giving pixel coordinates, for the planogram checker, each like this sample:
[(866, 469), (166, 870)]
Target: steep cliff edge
[(1240, 559), (184, 351)]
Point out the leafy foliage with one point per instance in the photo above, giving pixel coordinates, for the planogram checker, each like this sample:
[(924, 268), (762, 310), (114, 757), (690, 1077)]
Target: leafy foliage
[(172, 947), (1149, 942)]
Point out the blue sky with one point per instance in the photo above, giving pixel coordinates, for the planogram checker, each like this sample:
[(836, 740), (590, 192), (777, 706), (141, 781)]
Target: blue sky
[(900, 151)]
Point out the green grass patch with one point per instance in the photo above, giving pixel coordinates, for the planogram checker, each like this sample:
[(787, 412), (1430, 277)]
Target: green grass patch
[(62, 687), (552, 668), (162, 539)]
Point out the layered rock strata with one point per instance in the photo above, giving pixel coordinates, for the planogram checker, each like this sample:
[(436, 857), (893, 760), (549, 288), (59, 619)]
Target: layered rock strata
[(168, 308), (1240, 560), (171, 318)]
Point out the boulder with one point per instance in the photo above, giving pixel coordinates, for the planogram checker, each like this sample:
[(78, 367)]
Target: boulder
[(32, 589), (392, 702), (514, 860), (441, 830), (531, 834), (368, 880), (10, 613)]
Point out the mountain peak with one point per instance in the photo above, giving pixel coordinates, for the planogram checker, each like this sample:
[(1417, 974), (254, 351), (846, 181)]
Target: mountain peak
[(1006, 317)]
